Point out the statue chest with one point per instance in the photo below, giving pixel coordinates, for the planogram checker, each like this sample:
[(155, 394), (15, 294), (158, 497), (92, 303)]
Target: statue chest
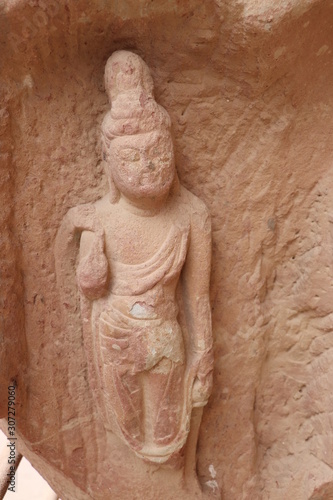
[(137, 240)]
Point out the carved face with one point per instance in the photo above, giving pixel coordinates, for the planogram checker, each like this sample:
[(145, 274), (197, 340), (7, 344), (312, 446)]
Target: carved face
[(142, 166)]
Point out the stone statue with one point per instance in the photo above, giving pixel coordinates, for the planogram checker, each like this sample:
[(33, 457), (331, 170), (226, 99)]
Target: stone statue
[(142, 275)]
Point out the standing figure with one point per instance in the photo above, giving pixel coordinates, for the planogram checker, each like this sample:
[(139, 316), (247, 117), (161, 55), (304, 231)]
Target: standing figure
[(142, 275)]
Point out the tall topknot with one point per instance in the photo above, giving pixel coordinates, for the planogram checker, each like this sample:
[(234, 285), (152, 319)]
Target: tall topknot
[(134, 110)]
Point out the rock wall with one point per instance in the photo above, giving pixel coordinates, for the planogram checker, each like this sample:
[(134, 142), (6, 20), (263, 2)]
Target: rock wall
[(249, 88)]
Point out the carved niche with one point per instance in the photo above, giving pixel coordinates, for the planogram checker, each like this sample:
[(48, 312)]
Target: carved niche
[(142, 276)]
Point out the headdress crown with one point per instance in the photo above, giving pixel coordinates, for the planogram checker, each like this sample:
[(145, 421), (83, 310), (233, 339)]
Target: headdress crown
[(134, 110)]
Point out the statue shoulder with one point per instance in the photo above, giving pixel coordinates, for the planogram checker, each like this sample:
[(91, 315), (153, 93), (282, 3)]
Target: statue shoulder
[(81, 218), (196, 208), (103, 209), (102, 205)]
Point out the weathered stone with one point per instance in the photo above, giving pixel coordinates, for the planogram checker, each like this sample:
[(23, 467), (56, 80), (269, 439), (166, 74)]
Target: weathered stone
[(248, 86)]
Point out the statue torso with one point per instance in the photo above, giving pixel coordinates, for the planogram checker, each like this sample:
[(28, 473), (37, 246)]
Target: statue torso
[(145, 256), (131, 238)]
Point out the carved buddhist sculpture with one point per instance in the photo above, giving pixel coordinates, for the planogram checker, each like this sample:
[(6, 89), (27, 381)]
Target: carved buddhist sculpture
[(142, 275)]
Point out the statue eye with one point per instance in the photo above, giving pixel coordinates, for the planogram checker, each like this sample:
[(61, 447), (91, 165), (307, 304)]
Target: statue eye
[(135, 156), (156, 152), (129, 154)]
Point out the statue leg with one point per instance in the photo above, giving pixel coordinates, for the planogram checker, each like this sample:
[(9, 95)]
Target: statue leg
[(121, 383), (124, 400), (164, 396)]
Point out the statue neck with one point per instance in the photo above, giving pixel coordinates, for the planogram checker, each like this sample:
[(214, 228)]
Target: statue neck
[(145, 207)]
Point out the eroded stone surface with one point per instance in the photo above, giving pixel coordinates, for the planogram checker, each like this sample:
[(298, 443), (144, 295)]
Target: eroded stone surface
[(143, 278), (248, 87)]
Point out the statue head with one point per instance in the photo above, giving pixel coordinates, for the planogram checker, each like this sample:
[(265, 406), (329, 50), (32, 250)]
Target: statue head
[(136, 132)]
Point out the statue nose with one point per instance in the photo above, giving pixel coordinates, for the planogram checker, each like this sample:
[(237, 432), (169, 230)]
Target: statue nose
[(151, 166)]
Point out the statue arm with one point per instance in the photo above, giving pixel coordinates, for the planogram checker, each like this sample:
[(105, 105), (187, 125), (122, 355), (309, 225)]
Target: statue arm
[(195, 281), (92, 271)]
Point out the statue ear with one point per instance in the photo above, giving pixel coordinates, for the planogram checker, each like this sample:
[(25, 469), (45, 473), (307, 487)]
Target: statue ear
[(175, 188), (113, 190)]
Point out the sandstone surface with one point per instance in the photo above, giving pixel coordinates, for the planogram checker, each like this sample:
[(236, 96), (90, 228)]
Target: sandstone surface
[(248, 86)]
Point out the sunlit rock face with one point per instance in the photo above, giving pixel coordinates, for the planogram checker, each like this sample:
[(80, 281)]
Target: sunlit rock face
[(248, 87)]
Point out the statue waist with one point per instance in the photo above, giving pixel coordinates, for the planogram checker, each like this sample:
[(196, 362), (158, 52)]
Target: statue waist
[(158, 303), (140, 341)]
